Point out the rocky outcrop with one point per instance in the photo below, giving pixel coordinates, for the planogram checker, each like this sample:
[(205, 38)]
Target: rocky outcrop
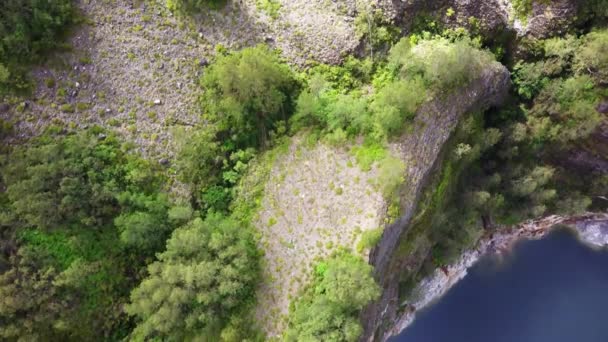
[(488, 16), (591, 229), (421, 150), (550, 19)]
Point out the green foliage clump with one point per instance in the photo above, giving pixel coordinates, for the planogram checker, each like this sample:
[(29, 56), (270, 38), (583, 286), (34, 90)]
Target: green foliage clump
[(192, 6), (523, 8), (29, 28), (328, 310), (442, 63), (247, 100), (374, 30), (369, 239), (202, 281), (29, 304), (592, 56), (338, 102), (566, 85), (396, 104), (83, 211), (564, 110), (73, 180), (271, 7), (246, 94)]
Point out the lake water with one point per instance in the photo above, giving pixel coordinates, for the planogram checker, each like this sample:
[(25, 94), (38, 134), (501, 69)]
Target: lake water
[(551, 290)]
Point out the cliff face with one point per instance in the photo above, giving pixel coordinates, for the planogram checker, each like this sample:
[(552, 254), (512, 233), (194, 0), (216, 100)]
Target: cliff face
[(422, 150), (488, 16), (591, 229)]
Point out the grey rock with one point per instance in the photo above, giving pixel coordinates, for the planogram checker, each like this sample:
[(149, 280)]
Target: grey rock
[(203, 62), (603, 107), (438, 120), (164, 161), (101, 136)]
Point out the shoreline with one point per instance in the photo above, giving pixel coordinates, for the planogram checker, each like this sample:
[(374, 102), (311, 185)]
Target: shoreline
[(590, 229)]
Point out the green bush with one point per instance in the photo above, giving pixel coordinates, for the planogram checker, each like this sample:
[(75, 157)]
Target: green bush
[(340, 101), (204, 280), (329, 309), (396, 103), (29, 28), (246, 94), (369, 239), (192, 6), (442, 64), (592, 56)]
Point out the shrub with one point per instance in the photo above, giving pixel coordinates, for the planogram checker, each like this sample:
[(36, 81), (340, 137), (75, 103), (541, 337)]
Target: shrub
[(246, 93), (369, 239), (442, 64), (29, 29), (329, 309), (592, 56), (395, 104), (191, 6), (200, 283)]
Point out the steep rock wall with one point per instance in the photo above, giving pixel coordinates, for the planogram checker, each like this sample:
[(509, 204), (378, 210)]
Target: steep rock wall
[(421, 150), (591, 229)]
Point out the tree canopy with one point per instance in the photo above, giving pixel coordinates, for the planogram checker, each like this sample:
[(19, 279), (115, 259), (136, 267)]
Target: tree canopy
[(28, 29), (329, 309), (202, 281), (246, 93)]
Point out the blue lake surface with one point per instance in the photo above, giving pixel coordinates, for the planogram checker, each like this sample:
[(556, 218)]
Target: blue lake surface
[(550, 290)]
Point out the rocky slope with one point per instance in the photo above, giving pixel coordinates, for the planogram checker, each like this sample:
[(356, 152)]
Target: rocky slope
[(591, 229), (317, 199)]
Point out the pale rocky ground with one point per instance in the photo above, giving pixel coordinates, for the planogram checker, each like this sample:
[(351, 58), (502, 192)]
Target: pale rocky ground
[(316, 201), (134, 66)]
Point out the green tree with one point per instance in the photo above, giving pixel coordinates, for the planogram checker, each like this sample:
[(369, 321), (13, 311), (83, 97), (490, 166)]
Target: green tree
[(246, 93), (73, 180), (28, 29), (592, 56), (30, 308), (204, 280), (328, 311)]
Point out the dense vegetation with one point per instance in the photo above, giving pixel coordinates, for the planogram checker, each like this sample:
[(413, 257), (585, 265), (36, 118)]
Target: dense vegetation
[(199, 284), (95, 246), (511, 164), (247, 99), (81, 216), (329, 309), (29, 28)]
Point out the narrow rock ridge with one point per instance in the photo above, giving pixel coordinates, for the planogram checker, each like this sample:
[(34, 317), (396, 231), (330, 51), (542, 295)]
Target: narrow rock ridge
[(591, 229)]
